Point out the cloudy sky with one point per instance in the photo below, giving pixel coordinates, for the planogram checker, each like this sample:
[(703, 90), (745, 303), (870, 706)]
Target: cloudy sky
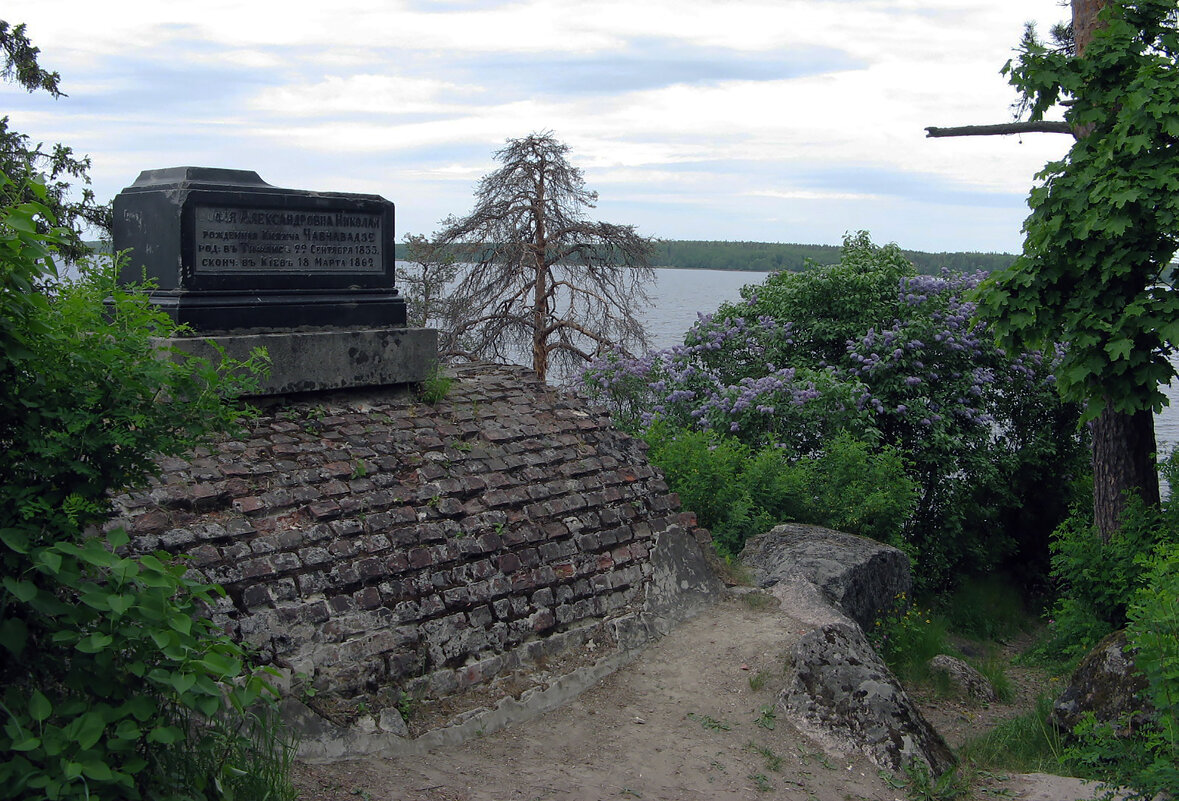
[(780, 121)]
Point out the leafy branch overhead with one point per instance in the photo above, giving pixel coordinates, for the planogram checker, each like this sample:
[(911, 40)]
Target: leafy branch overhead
[(1103, 229), (540, 280), (55, 168), (1105, 219)]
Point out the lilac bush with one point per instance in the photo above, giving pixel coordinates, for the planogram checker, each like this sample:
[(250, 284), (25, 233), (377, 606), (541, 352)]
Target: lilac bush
[(869, 349), (720, 380)]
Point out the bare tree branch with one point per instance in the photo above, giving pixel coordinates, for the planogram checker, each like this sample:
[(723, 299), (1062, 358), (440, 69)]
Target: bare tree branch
[(539, 278), (1001, 129)]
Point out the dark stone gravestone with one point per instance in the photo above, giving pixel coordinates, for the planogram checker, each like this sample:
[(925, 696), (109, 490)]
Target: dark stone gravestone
[(308, 276), (228, 251)]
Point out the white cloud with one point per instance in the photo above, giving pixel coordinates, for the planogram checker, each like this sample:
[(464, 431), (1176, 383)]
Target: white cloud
[(808, 194), (387, 94), (343, 91)]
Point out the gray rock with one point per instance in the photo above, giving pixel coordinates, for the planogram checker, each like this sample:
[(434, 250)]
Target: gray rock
[(682, 582), (843, 689), (860, 576), (392, 722), (1107, 684), (964, 678)]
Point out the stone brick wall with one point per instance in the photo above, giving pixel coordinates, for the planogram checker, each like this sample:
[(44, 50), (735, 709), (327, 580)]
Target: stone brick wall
[(371, 541)]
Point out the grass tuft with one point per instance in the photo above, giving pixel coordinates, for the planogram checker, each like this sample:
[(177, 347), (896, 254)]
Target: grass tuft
[(1025, 744)]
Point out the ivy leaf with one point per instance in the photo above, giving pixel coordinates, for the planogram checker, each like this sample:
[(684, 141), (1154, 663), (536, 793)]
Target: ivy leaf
[(16, 539), (23, 591), (164, 735), (39, 706), (94, 643), (14, 635)]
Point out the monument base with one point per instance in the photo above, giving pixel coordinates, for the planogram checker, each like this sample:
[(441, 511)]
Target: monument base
[(339, 358), (274, 310)]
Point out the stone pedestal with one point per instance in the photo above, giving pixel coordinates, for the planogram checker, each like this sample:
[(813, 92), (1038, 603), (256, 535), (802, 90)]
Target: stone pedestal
[(307, 276), (314, 361)]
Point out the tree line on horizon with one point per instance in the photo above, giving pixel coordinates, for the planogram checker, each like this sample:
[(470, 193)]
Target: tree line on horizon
[(795, 257)]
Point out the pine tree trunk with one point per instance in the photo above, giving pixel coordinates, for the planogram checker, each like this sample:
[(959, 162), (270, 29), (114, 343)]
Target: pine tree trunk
[(540, 353), (1123, 462)]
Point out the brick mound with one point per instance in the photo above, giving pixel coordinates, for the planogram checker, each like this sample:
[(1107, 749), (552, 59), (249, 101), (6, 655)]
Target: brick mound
[(378, 548)]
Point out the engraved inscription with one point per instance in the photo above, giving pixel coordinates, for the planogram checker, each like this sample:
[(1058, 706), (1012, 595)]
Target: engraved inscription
[(243, 240)]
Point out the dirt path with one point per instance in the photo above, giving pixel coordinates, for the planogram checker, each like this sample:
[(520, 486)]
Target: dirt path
[(681, 723), (692, 719)]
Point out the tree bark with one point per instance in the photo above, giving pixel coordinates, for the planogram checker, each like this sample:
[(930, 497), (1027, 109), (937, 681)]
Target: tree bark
[(1123, 443), (1085, 22), (540, 353), (1123, 463), (1000, 129)]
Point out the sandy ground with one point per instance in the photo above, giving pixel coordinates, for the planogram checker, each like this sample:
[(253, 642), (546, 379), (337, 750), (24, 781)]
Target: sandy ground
[(692, 718)]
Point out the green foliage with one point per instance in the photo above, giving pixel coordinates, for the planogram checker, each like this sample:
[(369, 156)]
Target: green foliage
[(1029, 743), (907, 637), (985, 608), (1097, 580), (921, 785), (831, 306), (869, 350), (995, 672), (436, 386), (1133, 581), (1105, 220), (25, 164), (20, 61), (1146, 759), (116, 684), (738, 492)]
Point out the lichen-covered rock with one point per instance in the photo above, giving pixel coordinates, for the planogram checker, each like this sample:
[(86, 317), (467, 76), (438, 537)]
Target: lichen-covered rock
[(842, 691), (1105, 683), (963, 677), (860, 576)]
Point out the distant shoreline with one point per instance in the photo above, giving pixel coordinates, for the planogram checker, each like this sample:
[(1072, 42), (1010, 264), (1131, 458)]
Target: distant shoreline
[(765, 257)]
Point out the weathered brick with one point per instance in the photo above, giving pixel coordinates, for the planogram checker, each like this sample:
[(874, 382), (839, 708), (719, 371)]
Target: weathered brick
[(256, 595), (420, 557), (368, 598)]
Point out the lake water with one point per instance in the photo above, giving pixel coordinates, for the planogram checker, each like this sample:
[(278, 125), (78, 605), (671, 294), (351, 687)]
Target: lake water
[(680, 294)]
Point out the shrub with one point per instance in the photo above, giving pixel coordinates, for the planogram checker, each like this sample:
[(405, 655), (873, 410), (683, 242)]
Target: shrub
[(1098, 580), (115, 684), (869, 350), (985, 608), (908, 637), (738, 492), (1131, 580), (1144, 756)]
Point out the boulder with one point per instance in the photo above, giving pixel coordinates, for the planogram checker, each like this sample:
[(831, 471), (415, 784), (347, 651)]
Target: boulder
[(963, 678), (860, 576), (1105, 683), (842, 691)]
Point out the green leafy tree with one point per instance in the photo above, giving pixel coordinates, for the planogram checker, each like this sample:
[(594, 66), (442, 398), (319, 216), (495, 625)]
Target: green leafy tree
[(57, 169), (1104, 226)]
